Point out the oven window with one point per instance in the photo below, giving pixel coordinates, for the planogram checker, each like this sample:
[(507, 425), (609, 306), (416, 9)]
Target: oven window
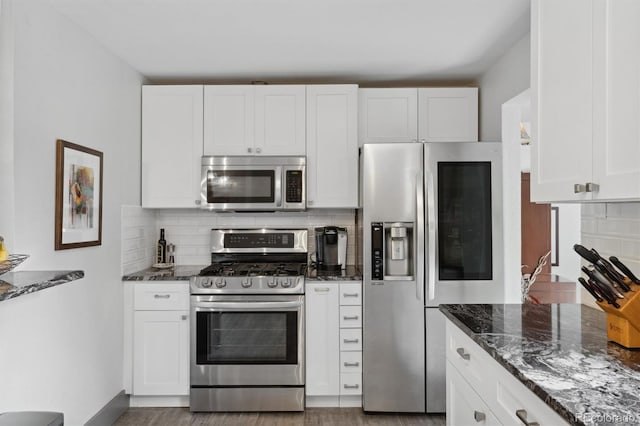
[(247, 337), (241, 186)]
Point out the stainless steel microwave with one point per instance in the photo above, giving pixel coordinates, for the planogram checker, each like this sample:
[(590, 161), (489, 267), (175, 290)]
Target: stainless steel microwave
[(246, 183)]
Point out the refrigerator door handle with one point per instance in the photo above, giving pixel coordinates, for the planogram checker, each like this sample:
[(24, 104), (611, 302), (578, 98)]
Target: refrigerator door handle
[(419, 238), (431, 235)]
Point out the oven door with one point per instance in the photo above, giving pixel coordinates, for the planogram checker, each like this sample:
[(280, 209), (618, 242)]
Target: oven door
[(247, 340), (241, 187)]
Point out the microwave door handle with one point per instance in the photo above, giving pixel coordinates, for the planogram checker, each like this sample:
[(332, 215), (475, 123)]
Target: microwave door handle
[(278, 185), (209, 186), (431, 235)]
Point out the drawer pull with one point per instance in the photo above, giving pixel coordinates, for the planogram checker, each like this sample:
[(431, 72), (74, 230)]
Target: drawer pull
[(183, 317), (350, 294), (463, 354), (350, 340), (161, 296), (352, 364), (321, 290), (522, 415), (348, 318), (352, 386), (479, 416)]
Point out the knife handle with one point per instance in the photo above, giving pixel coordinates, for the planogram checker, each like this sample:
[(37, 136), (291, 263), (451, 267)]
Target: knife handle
[(601, 268), (585, 253), (608, 297), (591, 290), (605, 290), (623, 268)]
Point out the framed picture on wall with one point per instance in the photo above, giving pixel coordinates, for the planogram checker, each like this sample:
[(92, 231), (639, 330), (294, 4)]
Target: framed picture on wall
[(78, 215)]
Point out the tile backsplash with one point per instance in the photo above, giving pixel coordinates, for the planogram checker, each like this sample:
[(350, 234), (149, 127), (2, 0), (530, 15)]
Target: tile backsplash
[(189, 231), (614, 230)]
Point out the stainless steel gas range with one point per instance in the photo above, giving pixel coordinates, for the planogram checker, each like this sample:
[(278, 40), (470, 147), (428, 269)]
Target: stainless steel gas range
[(247, 322)]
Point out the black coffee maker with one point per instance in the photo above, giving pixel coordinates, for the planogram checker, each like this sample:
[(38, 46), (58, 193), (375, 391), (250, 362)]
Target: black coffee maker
[(331, 248)]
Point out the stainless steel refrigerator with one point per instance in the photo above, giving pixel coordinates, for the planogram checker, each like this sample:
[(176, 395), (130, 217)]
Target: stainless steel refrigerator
[(432, 233)]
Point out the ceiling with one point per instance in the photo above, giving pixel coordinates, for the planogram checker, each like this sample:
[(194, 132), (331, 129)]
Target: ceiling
[(304, 40)]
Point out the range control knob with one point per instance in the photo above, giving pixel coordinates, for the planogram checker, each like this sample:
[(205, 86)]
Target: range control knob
[(220, 282), (246, 283), (206, 283), (272, 283), (286, 282)]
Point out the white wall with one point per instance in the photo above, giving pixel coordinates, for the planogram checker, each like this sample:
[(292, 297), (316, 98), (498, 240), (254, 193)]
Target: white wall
[(61, 348), (614, 230), (6, 124), (505, 79)]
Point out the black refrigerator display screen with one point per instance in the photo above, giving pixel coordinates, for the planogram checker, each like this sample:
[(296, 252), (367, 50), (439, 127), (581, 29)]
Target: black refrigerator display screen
[(464, 221)]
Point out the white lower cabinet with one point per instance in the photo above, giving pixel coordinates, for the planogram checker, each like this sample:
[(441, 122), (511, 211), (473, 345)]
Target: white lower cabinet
[(157, 343), (481, 391), (333, 344)]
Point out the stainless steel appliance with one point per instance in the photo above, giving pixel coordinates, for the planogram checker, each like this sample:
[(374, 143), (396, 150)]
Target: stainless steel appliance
[(258, 183), (432, 231), (331, 248), (247, 322)]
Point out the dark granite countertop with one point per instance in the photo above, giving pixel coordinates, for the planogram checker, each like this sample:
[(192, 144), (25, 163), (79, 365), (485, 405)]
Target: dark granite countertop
[(176, 273), (351, 273), (183, 273), (15, 284), (560, 352)]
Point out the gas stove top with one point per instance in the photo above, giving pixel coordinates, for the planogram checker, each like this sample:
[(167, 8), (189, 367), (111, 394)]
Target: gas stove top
[(254, 261)]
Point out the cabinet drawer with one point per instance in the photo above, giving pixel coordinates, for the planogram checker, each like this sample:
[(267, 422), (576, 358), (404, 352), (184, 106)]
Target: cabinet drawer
[(464, 405), (350, 317), (350, 383), (161, 297), (350, 362), (351, 294), (471, 361), (351, 339)]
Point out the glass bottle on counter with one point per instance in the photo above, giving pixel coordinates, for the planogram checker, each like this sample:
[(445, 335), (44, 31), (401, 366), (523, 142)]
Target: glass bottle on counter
[(161, 254)]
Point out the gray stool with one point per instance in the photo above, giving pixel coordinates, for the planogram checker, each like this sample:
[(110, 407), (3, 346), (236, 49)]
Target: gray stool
[(31, 418)]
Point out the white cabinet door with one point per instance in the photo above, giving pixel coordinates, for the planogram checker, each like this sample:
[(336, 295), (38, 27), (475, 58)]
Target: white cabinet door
[(322, 339), (616, 142), (228, 120), (562, 99), (280, 120), (388, 115), (464, 406), (161, 353), (332, 146), (171, 145), (448, 114)]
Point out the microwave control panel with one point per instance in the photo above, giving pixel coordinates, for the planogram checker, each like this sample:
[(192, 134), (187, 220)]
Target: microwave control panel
[(293, 184)]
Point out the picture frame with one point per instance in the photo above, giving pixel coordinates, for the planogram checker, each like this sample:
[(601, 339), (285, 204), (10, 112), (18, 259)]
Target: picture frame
[(555, 238), (78, 212)]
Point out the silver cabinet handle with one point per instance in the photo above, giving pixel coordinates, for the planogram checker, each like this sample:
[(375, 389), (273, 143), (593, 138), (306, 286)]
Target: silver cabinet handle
[(578, 188), (592, 187), (463, 354), (351, 386), (354, 317), (423, 140), (350, 340), (522, 415), (198, 202), (249, 150), (161, 296), (479, 416), (350, 295), (258, 150), (321, 290), (183, 317), (351, 364)]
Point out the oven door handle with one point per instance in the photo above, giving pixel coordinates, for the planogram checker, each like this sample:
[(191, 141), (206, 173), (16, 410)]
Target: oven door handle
[(251, 306)]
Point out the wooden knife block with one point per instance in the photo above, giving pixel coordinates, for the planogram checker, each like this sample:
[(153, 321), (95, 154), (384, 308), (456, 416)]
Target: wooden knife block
[(623, 324)]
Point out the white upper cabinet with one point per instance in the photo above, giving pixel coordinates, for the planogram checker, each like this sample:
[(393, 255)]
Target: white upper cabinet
[(171, 145), (442, 114), (448, 114), (332, 146), (585, 102), (388, 115), (254, 120)]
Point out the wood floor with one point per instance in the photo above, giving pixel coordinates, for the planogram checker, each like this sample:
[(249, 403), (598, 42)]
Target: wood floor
[(311, 416)]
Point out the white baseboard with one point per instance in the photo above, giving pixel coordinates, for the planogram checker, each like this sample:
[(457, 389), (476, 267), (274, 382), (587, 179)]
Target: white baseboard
[(322, 401), (351, 401), (159, 401)]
